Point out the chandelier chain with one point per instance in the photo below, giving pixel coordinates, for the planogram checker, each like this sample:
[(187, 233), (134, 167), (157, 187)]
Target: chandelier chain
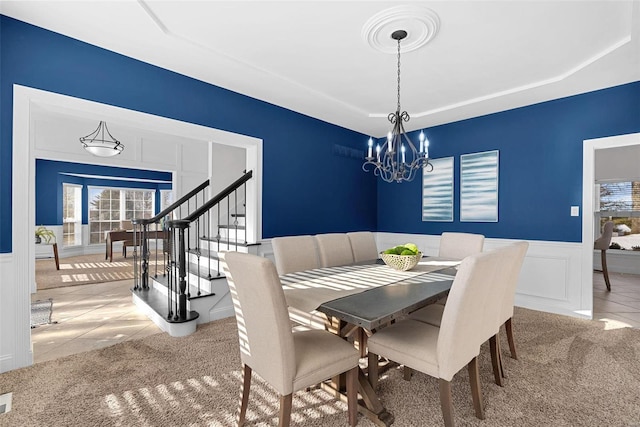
[(398, 75)]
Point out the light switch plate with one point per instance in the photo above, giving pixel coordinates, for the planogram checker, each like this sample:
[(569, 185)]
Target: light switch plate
[(575, 210)]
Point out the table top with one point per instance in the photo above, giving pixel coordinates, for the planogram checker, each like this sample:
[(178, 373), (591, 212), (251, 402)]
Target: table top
[(369, 295), (375, 307)]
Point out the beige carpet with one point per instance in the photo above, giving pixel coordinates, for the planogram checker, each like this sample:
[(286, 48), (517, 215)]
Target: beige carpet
[(571, 372), (85, 269)]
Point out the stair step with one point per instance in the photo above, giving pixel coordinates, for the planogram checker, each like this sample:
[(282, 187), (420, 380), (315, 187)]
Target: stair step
[(158, 302), (228, 242), (232, 226), (192, 292)]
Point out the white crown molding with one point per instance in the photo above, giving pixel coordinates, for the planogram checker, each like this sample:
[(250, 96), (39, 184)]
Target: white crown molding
[(551, 80)]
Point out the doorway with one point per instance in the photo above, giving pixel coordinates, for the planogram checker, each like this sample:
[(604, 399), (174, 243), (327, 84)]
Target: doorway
[(589, 204), (23, 195)]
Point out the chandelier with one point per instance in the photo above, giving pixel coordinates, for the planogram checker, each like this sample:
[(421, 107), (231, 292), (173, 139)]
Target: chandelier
[(397, 159), (97, 144)]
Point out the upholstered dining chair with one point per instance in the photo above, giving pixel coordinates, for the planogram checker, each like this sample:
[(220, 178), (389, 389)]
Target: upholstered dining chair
[(289, 361), (334, 249), (603, 243), (363, 246), (295, 253), (460, 245), (442, 351), (504, 289)]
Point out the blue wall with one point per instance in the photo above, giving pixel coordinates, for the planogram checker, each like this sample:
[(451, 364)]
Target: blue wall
[(50, 175), (540, 173), (300, 194)]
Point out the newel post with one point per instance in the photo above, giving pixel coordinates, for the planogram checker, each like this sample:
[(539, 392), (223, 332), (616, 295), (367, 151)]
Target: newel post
[(181, 226)]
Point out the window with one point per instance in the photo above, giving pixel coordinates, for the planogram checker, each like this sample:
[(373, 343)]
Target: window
[(108, 206), (620, 203), (71, 215), (166, 199)]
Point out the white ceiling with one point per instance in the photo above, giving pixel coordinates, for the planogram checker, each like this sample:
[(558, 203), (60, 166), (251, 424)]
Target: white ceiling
[(311, 56)]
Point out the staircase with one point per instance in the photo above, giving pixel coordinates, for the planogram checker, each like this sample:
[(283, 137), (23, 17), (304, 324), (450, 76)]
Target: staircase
[(192, 288)]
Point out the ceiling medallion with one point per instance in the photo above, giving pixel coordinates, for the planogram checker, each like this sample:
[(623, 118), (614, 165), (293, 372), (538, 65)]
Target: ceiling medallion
[(420, 23)]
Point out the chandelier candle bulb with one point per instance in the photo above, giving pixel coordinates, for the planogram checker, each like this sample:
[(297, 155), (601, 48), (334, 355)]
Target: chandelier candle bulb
[(369, 153), (378, 151), (403, 150)]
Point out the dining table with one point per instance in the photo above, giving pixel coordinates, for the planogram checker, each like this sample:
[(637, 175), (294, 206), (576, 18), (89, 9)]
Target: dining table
[(357, 299)]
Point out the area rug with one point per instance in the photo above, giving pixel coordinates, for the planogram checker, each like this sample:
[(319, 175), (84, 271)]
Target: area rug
[(41, 311), (85, 269), (570, 372)]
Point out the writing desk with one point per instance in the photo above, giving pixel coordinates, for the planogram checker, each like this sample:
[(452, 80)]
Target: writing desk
[(127, 236), (368, 296)]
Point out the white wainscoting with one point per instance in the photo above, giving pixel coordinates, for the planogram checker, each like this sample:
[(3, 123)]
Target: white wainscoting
[(15, 347), (550, 279)]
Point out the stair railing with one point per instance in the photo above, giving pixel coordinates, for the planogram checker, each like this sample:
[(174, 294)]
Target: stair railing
[(178, 232), (143, 236)]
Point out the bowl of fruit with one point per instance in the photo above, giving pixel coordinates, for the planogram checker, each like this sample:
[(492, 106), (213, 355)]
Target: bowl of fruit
[(402, 257)]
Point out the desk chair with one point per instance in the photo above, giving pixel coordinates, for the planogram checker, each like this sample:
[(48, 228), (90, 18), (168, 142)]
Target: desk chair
[(288, 361), (603, 243)]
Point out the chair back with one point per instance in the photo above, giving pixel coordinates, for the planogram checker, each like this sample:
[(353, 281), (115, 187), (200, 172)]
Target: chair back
[(334, 249), (471, 307), (604, 241), (513, 257), (295, 253), (363, 246), (460, 245), (264, 328)]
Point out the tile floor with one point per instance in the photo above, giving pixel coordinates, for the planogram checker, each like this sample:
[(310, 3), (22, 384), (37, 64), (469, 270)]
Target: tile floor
[(620, 306), (95, 316), (89, 317)]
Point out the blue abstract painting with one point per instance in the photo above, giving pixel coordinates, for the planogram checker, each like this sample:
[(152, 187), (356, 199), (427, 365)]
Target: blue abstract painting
[(479, 187), (437, 191)]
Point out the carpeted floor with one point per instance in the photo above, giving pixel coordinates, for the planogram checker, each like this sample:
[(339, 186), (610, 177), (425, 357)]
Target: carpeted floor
[(571, 372), (84, 269)]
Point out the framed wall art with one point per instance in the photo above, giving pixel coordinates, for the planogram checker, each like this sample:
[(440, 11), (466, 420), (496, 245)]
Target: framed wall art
[(479, 187)]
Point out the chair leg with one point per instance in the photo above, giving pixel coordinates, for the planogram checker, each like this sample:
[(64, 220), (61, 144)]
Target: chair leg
[(446, 403), (244, 399), (372, 369), (605, 271), (476, 393), (494, 348), (352, 396), (284, 416), (512, 344)]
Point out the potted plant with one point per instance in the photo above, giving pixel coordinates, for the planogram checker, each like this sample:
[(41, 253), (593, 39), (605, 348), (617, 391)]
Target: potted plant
[(43, 233)]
